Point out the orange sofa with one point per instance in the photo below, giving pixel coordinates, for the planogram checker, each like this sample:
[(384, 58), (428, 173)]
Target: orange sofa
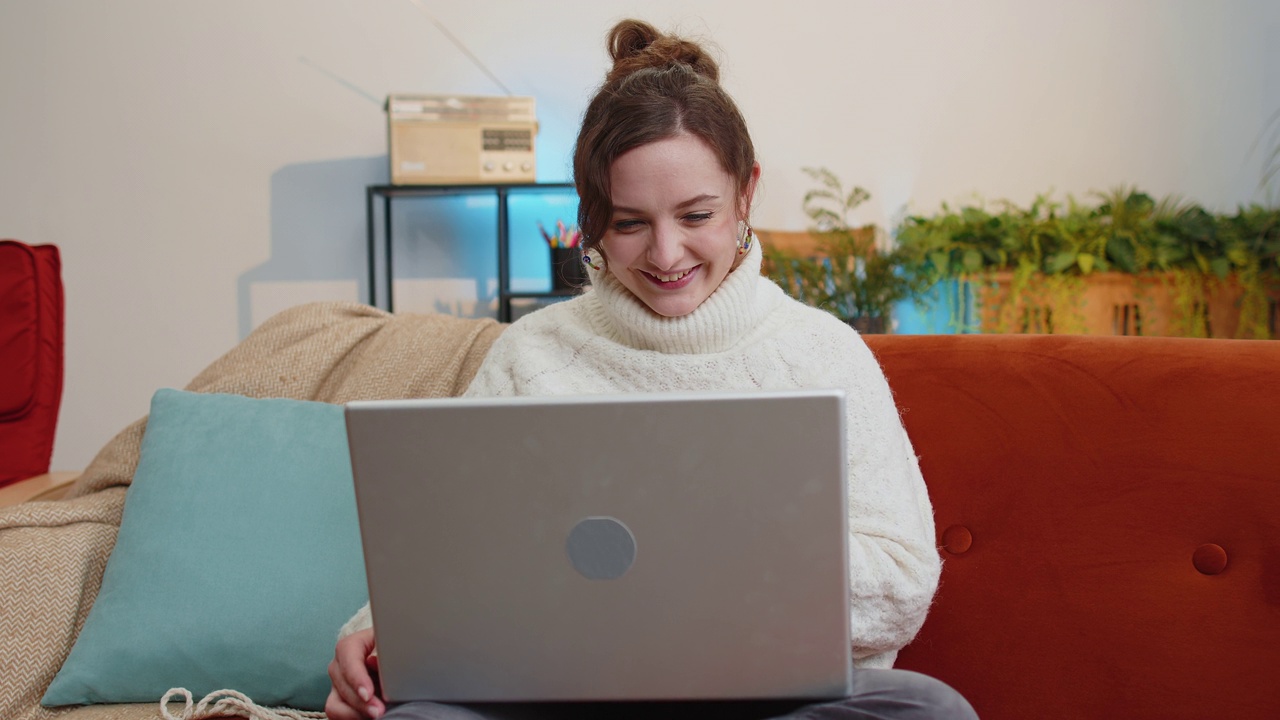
[(1109, 513), (1109, 509)]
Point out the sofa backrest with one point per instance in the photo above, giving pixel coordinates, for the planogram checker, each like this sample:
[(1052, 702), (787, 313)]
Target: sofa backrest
[(1109, 513)]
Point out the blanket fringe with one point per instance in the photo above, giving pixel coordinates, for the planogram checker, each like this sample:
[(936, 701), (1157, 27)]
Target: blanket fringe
[(221, 703)]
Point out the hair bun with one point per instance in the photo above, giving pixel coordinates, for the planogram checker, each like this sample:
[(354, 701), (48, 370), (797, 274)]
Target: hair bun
[(636, 45)]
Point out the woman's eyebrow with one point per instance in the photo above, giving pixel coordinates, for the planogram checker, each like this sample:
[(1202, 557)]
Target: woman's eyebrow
[(691, 201), (695, 200)]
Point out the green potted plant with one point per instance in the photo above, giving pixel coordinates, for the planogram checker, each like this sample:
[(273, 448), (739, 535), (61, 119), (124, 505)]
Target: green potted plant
[(1125, 263), (1251, 245), (847, 272), (1016, 263)]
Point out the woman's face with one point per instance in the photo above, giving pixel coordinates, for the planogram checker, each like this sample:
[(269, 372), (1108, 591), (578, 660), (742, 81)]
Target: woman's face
[(673, 237)]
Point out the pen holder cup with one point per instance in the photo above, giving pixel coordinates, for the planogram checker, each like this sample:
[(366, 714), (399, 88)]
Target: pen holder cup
[(567, 270)]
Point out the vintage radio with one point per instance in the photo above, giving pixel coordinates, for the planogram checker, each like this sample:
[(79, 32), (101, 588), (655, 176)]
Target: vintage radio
[(461, 139)]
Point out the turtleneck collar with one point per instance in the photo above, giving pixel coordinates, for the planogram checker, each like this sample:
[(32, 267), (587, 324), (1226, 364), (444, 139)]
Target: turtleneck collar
[(735, 308)]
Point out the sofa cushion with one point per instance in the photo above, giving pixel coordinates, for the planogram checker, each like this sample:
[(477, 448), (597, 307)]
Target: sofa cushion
[(1109, 513), (238, 558)]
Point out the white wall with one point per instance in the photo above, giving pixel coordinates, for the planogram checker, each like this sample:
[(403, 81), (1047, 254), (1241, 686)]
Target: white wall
[(202, 164)]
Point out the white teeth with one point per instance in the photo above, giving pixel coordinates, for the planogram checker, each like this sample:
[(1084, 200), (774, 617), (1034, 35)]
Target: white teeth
[(672, 278)]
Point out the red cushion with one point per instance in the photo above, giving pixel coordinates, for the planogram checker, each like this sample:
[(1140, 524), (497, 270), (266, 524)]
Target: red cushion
[(1109, 512), (31, 357)]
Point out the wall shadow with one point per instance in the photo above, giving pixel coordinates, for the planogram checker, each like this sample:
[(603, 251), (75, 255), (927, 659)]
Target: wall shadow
[(317, 227), (444, 248)]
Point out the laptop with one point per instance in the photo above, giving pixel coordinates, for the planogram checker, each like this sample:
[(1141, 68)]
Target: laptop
[(609, 547)]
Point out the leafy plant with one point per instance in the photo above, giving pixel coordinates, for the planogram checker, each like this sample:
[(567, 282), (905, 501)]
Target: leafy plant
[(849, 275), (1251, 243), (1030, 247), (1043, 246)]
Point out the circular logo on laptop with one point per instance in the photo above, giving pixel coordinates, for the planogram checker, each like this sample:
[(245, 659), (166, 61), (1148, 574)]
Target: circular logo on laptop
[(601, 548)]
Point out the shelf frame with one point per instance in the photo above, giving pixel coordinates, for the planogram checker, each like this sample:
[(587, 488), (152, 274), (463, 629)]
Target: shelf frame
[(503, 193)]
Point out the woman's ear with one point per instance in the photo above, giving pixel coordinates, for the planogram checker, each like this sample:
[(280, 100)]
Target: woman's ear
[(749, 192)]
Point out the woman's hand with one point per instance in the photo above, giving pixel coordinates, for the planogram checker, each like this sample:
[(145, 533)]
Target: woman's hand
[(354, 695)]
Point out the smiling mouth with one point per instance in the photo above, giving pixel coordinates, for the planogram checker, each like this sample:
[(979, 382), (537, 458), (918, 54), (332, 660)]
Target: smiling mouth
[(672, 278)]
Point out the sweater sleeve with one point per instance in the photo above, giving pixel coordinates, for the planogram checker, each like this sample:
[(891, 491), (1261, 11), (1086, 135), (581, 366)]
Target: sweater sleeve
[(362, 620), (497, 374), (894, 564), (494, 378)]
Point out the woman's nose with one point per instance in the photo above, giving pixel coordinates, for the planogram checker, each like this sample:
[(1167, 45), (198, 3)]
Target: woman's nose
[(665, 247)]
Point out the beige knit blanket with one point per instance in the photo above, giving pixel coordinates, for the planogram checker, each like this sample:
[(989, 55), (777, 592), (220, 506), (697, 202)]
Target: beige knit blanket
[(52, 554)]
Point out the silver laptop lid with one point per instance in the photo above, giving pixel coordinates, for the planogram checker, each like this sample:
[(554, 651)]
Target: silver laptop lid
[(636, 547)]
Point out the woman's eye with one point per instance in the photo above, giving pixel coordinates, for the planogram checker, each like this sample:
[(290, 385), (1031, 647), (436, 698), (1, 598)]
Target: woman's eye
[(698, 217), (626, 225)]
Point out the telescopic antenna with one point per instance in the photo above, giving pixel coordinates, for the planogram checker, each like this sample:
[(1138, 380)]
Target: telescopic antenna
[(461, 47)]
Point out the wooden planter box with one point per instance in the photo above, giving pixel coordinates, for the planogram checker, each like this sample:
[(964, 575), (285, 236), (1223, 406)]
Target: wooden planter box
[(1115, 304)]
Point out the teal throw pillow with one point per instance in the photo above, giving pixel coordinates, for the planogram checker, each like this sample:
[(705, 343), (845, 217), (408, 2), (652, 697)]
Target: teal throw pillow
[(238, 558)]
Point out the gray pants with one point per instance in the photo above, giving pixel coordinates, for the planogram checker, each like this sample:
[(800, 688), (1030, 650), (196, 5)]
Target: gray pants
[(877, 695)]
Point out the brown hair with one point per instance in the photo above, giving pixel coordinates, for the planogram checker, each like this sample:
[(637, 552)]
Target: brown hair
[(659, 86)]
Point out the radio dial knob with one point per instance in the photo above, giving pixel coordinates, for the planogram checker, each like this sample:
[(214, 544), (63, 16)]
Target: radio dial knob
[(526, 166), (488, 167), (509, 166)]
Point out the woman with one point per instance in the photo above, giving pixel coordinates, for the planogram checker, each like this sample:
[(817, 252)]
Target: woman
[(665, 172)]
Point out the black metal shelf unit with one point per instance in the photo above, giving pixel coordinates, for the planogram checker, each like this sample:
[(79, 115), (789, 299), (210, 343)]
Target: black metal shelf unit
[(502, 191)]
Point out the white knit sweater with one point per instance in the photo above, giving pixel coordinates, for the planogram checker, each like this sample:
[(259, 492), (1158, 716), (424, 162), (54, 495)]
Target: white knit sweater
[(749, 335)]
